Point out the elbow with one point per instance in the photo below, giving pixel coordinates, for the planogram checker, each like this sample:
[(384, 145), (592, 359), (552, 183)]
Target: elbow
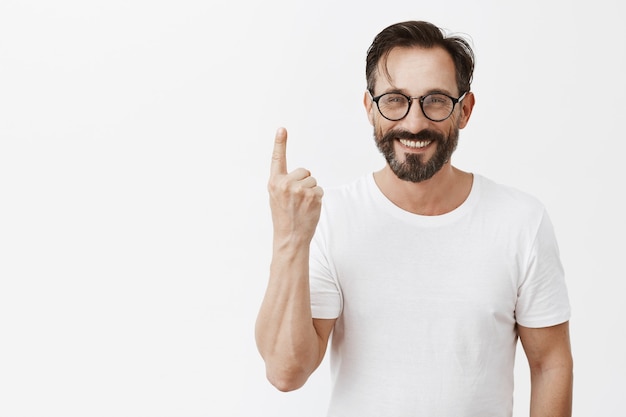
[(284, 385), (287, 380)]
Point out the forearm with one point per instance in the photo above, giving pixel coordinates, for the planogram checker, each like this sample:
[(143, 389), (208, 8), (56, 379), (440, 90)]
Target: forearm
[(285, 335), (551, 392)]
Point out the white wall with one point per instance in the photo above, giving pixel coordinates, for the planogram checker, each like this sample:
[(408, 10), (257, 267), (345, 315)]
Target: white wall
[(135, 139)]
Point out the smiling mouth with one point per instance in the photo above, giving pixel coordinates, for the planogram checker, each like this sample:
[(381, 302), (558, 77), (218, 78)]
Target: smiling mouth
[(415, 144)]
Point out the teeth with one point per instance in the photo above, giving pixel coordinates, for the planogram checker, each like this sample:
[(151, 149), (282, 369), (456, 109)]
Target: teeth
[(415, 143)]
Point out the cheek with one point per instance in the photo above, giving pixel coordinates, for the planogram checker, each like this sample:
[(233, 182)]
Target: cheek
[(382, 125), (454, 123), (378, 130), (459, 121)]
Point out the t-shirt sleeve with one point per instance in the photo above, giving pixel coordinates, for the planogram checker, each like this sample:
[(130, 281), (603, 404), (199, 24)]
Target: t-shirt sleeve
[(326, 301), (542, 296)]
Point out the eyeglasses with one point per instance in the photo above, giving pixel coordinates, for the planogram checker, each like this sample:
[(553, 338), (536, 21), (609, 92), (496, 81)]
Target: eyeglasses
[(436, 106)]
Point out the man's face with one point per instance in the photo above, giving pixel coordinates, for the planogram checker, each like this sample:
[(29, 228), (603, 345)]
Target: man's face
[(415, 147)]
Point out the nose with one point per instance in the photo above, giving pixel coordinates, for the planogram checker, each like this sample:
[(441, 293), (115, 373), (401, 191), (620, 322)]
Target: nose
[(415, 121)]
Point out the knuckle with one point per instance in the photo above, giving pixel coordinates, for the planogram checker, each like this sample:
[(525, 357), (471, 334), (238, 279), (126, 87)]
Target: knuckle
[(271, 184), (300, 191), (276, 185)]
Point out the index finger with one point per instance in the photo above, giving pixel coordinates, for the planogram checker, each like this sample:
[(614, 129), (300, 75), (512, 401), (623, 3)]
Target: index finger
[(279, 154)]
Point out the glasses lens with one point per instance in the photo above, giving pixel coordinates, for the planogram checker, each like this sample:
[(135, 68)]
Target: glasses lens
[(393, 106), (437, 106)]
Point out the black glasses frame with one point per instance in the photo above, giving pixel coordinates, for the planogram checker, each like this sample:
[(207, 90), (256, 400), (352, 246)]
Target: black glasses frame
[(421, 101)]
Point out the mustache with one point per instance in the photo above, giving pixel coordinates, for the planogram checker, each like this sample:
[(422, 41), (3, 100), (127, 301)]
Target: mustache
[(425, 134)]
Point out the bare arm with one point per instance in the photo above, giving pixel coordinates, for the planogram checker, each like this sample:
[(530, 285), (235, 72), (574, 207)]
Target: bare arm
[(290, 341), (551, 369)]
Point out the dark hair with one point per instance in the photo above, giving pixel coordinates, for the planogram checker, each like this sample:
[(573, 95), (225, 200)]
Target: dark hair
[(425, 35)]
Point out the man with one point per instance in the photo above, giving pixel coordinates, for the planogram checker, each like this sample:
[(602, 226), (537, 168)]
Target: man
[(425, 275)]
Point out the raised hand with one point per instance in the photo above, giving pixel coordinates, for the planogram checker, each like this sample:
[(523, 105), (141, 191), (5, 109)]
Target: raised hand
[(295, 197)]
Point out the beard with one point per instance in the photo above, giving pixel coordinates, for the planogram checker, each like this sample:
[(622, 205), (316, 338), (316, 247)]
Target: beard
[(414, 168)]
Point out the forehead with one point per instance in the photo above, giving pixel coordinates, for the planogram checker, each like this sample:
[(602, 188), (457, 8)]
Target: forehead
[(417, 70)]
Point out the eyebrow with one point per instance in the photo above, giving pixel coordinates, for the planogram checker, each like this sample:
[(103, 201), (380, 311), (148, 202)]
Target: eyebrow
[(431, 91)]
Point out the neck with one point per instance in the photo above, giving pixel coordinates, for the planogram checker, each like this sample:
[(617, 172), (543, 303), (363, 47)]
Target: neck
[(441, 194)]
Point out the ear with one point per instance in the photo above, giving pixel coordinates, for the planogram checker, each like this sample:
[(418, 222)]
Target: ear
[(369, 106), (467, 105)]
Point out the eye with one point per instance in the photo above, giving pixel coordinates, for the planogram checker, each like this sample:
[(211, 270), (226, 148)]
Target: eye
[(437, 100), (393, 99)]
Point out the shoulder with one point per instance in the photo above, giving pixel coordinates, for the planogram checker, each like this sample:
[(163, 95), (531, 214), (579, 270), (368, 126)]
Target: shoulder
[(496, 196), (352, 192), (343, 204)]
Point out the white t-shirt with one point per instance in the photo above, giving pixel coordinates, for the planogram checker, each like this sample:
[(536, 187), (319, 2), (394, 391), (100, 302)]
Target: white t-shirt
[(427, 305)]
